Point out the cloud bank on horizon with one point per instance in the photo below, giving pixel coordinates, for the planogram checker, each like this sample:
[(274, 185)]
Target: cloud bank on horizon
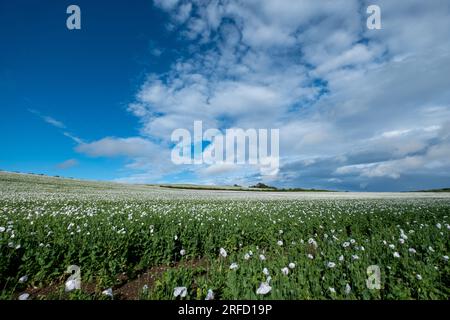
[(357, 109)]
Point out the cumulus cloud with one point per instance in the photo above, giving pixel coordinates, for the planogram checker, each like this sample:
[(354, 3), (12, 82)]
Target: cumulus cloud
[(356, 108), (435, 158)]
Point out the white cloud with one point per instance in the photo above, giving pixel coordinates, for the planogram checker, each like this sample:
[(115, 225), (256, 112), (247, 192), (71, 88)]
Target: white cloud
[(74, 138), (364, 104), (219, 168), (67, 164), (166, 4), (114, 147), (183, 12), (50, 120), (359, 54), (54, 122)]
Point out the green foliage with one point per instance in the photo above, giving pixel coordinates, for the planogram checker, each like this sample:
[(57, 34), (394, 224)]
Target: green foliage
[(109, 230)]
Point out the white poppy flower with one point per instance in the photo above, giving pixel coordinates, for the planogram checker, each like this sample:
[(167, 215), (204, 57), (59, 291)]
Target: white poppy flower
[(438, 225), (24, 296), (262, 257), (392, 246), (108, 292), (445, 258), (280, 243), (346, 244), (182, 252), (264, 288), (331, 264), (355, 257), (412, 250), (341, 258), (180, 291), (209, 295), (23, 279), (223, 252), (312, 242), (396, 255), (234, 266), (332, 290), (246, 256), (348, 289), (291, 265), (266, 271), (72, 284), (419, 277), (2, 229), (310, 256), (285, 271)]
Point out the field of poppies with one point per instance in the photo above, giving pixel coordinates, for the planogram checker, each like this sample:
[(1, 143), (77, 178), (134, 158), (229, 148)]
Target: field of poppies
[(71, 239)]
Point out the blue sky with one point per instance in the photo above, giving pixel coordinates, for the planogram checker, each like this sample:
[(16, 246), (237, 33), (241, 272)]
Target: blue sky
[(357, 109), (84, 79)]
